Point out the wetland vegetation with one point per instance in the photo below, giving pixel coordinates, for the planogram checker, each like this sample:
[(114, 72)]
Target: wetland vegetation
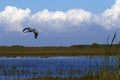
[(106, 68), (75, 50)]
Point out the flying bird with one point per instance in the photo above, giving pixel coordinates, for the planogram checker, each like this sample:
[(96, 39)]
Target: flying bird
[(28, 29)]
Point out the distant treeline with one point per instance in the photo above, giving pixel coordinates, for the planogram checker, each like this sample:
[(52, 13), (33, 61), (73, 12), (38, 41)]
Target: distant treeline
[(77, 45)]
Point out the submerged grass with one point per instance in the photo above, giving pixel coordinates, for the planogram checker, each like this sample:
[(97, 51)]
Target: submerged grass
[(102, 76)]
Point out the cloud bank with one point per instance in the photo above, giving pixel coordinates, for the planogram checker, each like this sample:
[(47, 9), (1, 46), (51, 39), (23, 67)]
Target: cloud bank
[(14, 19)]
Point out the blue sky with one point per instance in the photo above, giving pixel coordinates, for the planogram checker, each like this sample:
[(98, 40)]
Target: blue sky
[(96, 6), (60, 23)]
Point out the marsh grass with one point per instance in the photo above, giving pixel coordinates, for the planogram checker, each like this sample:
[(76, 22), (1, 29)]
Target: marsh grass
[(113, 48), (76, 50), (94, 49), (72, 72), (104, 74)]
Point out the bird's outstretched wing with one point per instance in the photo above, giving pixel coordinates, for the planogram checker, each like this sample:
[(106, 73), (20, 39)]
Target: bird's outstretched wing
[(25, 29), (35, 35)]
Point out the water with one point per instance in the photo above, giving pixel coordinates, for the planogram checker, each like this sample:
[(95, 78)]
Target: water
[(22, 68)]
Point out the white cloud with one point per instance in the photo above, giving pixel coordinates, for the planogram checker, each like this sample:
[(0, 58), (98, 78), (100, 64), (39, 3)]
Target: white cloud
[(13, 18), (60, 20), (77, 16), (110, 18)]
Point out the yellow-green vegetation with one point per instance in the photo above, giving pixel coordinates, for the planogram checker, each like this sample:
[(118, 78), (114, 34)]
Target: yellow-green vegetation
[(75, 50)]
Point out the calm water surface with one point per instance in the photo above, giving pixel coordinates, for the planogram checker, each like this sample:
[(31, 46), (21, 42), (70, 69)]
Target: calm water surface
[(14, 68)]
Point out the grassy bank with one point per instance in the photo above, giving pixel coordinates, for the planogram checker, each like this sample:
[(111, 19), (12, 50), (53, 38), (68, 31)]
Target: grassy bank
[(75, 50)]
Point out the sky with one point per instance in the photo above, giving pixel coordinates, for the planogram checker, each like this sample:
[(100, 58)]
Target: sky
[(59, 22)]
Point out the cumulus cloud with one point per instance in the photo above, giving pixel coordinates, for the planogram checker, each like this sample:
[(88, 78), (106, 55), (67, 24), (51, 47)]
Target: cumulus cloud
[(60, 20), (13, 18), (110, 18)]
